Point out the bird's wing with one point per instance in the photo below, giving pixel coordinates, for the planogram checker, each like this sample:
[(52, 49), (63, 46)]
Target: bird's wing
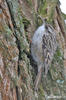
[(50, 29), (46, 52), (49, 44), (46, 45)]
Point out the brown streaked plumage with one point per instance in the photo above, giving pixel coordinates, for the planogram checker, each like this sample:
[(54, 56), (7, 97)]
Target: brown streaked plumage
[(43, 47)]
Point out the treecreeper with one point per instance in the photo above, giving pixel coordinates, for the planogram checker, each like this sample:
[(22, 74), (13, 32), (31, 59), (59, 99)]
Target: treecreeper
[(43, 47)]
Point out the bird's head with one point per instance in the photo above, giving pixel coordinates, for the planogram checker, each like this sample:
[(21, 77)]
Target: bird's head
[(44, 20)]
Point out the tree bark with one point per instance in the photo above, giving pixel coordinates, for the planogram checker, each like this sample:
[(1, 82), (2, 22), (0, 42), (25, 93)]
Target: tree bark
[(18, 21)]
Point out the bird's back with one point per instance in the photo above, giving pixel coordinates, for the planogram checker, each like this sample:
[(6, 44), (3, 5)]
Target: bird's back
[(43, 48), (43, 44)]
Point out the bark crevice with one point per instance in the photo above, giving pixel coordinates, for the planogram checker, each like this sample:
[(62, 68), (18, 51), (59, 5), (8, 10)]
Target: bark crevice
[(15, 34)]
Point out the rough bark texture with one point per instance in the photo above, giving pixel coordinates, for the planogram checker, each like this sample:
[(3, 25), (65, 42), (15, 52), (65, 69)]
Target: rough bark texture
[(18, 21)]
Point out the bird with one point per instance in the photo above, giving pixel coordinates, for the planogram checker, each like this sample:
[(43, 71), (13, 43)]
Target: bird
[(43, 47)]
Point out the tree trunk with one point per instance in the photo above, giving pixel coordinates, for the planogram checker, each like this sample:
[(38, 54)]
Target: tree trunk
[(18, 21)]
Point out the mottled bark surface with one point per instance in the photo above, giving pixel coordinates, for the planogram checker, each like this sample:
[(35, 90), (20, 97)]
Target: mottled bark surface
[(18, 21)]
